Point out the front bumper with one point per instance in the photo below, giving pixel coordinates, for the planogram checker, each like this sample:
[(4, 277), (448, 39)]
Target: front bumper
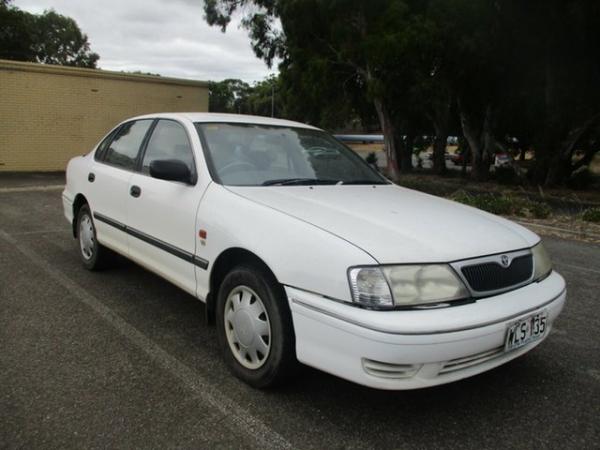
[(67, 202), (416, 348)]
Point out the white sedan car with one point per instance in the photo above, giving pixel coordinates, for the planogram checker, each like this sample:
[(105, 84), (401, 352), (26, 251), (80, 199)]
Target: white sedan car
[(302, 252)]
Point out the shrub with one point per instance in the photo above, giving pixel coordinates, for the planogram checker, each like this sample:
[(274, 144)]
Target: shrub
[(581, 179), (501, 204), (463, 197), (540, 210), (506, 175), (371, 158), (488, 202), (591, 215)]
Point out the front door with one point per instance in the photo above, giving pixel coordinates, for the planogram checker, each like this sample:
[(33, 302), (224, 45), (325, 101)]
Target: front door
[(161, 214)]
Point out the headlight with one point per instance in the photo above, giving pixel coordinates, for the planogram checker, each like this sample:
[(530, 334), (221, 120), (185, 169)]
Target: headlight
[(542, 265), (406, 285), (369, 287)]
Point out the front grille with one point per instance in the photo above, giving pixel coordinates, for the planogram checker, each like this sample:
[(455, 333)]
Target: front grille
[(491, 276)]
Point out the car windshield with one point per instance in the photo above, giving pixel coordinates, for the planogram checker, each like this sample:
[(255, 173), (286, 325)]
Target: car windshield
[(266, 155)]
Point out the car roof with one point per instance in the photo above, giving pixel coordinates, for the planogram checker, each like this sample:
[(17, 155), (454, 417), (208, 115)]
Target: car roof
[(227, 118)]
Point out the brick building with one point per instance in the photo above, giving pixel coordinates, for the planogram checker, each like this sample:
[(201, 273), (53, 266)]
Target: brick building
[(49, 114)]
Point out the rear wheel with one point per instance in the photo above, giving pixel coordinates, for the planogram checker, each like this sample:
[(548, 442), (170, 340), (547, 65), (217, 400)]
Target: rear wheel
[(93, 255), (254, 327)]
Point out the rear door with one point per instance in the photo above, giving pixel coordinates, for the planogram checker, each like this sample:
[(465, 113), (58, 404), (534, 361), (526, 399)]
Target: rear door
[(161, 214), (108, 181)]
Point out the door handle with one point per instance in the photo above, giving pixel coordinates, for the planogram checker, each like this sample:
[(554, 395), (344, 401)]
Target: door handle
[(135, 191), (91, 177)]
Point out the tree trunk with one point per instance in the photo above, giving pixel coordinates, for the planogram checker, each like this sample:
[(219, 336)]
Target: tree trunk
[(472, 138), (440, 119), (489, 142), (403, 146), (561, 165), (439, 149), (406, 154), (481, 143), (388, 130), (463, 148), (558, 171)]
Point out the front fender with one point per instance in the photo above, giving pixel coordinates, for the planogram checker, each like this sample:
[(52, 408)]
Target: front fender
[(298, 253)]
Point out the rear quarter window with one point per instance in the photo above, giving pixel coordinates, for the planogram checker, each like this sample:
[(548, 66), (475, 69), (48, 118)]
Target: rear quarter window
[(101, 149), (124, 149)]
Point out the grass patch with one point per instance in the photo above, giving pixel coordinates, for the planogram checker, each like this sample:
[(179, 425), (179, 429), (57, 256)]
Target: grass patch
[(504, 204)]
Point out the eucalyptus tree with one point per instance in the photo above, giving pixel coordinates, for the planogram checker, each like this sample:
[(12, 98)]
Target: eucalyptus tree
[(347, 45), (228, 96)]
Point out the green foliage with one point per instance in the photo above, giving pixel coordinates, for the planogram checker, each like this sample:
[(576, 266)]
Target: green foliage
[(264, 99), (48, 38), (504, 204), (16, 33), (235, 96), (228, 96), (339, 59), (591, 215), (267, 40), (139, 72)]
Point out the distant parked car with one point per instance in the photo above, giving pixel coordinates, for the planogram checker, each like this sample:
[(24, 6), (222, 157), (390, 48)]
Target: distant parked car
[(503, 160), (447, 156), (302, 252), (458, 158)]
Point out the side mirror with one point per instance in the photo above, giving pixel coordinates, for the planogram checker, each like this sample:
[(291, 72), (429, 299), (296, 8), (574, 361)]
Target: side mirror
[(171, 170)]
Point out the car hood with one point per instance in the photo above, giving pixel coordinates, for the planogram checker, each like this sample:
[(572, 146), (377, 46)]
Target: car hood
[(395, 224)]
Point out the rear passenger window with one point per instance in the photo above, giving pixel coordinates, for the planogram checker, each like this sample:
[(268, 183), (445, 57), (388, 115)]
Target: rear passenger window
[(168, 141), (124, 148)]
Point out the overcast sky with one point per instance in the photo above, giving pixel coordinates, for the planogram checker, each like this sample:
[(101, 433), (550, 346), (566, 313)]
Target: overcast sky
[(168, 37)]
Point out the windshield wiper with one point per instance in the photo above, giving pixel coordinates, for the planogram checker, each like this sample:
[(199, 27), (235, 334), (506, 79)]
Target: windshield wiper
[(363, 182), (297, 181)]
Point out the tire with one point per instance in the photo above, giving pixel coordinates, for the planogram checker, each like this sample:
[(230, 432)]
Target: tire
[(94, 256), (254, 327)]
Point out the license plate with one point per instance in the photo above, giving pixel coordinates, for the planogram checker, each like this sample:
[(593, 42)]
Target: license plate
[(526, 330)]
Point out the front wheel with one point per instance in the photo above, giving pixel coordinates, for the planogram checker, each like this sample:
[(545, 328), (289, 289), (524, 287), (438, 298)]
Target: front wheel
[(255, 328)]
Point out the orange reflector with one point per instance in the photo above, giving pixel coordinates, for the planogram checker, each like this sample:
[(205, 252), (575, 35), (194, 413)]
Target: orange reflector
[(202, 234)]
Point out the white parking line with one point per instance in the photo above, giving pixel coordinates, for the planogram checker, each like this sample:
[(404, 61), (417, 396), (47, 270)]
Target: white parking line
[(27, 233), (574, 266), (557, 229), (53, 187), (236, 418)]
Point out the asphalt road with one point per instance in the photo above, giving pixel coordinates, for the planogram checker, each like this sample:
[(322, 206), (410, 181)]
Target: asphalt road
[(122, 359)]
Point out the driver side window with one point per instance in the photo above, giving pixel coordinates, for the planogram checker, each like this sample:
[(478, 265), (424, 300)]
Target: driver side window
[(168, 141)]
